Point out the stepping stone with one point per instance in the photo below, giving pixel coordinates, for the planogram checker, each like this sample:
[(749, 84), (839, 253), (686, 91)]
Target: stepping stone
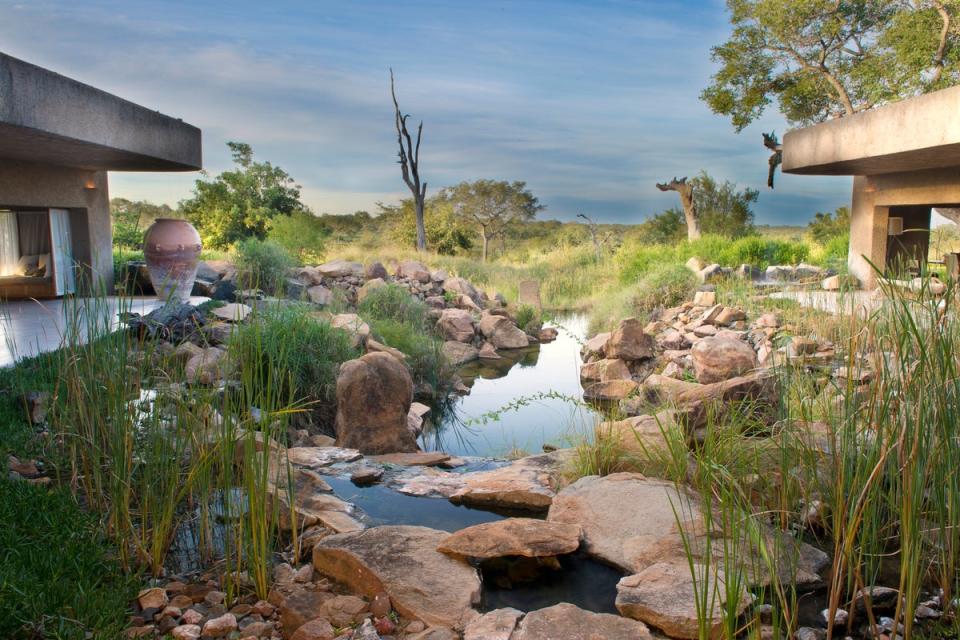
[(568, 622), (403, 561), (232, 312), (528, 484), (420, 458), (321, 456), (526, 537)]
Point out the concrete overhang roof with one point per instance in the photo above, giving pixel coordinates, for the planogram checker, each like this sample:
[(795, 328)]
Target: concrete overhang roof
[(48, 118), (911, 135)]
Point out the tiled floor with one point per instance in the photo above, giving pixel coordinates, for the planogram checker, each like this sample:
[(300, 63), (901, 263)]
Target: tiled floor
[(29, 327)]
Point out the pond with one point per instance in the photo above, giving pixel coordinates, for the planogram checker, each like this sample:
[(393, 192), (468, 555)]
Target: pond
[(488, 422)]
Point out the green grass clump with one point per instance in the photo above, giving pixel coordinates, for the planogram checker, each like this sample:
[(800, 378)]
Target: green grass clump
[(57, 577), (300, 352), (528, 318), (663, 286), (262, 264), (393, 302)]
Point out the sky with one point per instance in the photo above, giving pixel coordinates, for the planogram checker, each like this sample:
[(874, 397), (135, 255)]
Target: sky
[(589, 103)]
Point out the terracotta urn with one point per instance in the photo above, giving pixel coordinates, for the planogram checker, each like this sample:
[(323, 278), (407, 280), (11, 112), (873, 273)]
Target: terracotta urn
[(171, 248)]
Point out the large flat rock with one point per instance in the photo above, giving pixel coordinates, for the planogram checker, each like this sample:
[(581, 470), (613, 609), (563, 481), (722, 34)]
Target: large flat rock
[(568, 622), (628, 520), (402, 561), (526, 484), (526, 537), (321, 456)]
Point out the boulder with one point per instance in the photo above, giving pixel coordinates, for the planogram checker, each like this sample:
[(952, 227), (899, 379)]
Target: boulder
[(665, 595), (595, 347), (375, 270), (402, 561), (319, 294), (711, 273), (838, 282), (528, 293), (368, 286), (526, 484), (565, 621), (502, 332), (354, 325), (695, 264), (719, 358), (644, 436), (232, 312), (603, 370), (340, 269), (462, 286), (413, 270), (316, 629), (493, 625), (489, 352), (206, 366), (548, 334), (374, 393), (610, 390), (527, 537), (457, 353), (297, 605), (629, 342), (456, 325), (704, 298)]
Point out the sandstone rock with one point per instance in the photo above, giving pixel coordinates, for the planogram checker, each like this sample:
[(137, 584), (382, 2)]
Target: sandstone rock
[(493, 625), (340, 269), (644, 436), (705, 298), (343, 610), (838, 282), (729, 315), (502, 332), (711, 273), (568, 622), (375, 270), (153, 598), (370, 285), (413, 270), (664, 595), (695, 264), (528, 483), (462, 285), (629, 342), (610, 390), (705, 331), (630, 539), (374, 393), (319, 294), (716, 359), (768, 320), (316, 457), (528, 293), (595, 346), (316, 629), (352, 324), (603, 370), (418, 458), (489, 352), (527, 537), (219, 627), (548, 334), (801, 346), (299, 606), (376, 347), (365, 476), (403, 562), (232, 312), (205, 367), (458, 353), (456, 325), (673, 340)]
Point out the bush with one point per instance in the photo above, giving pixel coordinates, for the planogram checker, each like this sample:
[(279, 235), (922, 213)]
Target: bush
[(290, 345), (836, 249), (301, 234), (393, 302), (262, 264), (528, 318), (664, 286)]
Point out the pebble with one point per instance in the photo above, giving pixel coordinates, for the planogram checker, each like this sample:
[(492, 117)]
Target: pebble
[(219, 627), (186, 632), (192, 617), (304, 573), (840, 617), (153, 598)]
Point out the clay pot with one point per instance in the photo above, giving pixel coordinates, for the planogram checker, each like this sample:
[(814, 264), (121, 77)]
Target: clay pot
[(171, 248)]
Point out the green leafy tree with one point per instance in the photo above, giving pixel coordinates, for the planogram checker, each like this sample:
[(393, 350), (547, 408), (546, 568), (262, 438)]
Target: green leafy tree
[(722, 208), (826, 226), (446, 233), (492, 206), (131, 219), (241, 203), (827, 58), (302, 234), (666, 227)]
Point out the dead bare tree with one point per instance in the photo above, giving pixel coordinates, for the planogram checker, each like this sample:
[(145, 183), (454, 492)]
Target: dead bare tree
[(770, 142), (410, 165), (685, 189), (598, 239)]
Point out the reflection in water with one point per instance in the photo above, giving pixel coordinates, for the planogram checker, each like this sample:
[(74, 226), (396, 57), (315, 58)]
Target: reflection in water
[(522, 373)]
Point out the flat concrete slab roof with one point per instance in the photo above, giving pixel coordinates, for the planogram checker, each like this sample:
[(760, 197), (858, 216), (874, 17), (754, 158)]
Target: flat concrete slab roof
[(911, 135), (48, 118)]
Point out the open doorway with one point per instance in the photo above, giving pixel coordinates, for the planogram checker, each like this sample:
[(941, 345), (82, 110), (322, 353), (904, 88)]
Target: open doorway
[(36, 253)]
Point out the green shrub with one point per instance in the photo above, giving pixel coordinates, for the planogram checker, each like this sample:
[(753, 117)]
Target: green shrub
[(528, 318), (664, 286), (262, 264), (291, 345), (836, 249), (57, 578), (301, 233), (422, 348), (393, 302)]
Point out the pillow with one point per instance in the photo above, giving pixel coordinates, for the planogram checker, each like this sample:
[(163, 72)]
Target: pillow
[(43, 260), (35, 272), (25, 263)]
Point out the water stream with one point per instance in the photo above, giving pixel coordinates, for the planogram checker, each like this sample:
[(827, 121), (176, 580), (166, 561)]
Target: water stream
[(484, 423)]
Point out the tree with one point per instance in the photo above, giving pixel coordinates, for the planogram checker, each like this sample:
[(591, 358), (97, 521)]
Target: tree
[(492, 205), (685, 189), (597, 237), (713, 207), (241, 203), (826, 226), (666, 227), (410, 165), (831, 58), (301, 234), (447, 234), (131, 219)]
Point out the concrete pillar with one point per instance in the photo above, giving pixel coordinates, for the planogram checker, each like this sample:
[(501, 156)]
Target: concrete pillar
[(868, 233), (100, 228)]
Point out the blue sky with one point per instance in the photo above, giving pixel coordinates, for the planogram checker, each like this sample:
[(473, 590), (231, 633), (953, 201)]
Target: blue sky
[(590, 103)]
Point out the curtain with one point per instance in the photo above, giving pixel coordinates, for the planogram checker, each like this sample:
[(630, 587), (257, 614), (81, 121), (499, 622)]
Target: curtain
[(34, 232), (9, 243), (62, 251)]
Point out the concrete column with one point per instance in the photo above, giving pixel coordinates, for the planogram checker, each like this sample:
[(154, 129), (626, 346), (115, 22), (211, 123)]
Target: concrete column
[(868, 233), (100, 228)]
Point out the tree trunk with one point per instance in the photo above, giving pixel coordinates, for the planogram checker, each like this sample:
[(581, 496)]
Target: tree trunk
[(690, 213), (421, 229), (486, 240)]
